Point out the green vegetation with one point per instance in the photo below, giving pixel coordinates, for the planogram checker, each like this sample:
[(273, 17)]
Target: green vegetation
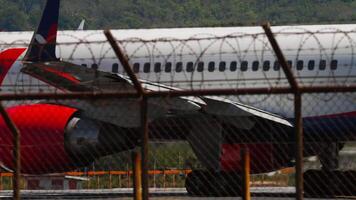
[(100, 14), (177, 155)]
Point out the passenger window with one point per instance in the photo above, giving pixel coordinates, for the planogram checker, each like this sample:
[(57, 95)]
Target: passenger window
[(300, 65), (168, 67), (95, 66), (222, 66), (311, 65), (147, 67), (233, 66), (255, 65), (115, 68), (244, 66), (211, 67), (276, 66), (266, 65), (333, 65), (179, 67), (322, 65), (136, 67), (157, 68), (190, 67), (200, 67)]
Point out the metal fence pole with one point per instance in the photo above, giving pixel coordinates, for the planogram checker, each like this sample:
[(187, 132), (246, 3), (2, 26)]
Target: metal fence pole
[(124, 60), (245, 157), (144, 148), (137, 162), (299, 145), (16, 152), (297, 110)]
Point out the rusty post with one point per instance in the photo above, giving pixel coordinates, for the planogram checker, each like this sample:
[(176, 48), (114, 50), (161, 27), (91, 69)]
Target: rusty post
[(144, 147), (299, 145), (110, 180), (297, 111), (281, 59), (16, 152), (245, 158), (124, 60), (128, 179), (136, 160), (97, 182), (119, 181)]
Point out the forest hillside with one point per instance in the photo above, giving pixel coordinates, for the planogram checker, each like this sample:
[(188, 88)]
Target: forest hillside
[(18, 15)]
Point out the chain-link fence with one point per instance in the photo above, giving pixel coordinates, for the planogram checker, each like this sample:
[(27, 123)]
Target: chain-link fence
[(186, 115)]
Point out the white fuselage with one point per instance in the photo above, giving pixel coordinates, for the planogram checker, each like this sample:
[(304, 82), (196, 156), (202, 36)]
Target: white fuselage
[(206, 58)]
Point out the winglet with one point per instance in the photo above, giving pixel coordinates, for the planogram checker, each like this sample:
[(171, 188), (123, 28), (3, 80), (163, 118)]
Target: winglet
[(43, 43), (81, 25)]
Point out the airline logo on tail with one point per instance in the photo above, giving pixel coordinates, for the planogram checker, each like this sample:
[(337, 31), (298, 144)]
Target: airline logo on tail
[(43, 43)]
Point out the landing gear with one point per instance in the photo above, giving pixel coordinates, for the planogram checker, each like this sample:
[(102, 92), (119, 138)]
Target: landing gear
[(329, 182), (322, 183), (206, 183)]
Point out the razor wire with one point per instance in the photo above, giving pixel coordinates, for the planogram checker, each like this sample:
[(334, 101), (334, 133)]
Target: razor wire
[(200, 141)]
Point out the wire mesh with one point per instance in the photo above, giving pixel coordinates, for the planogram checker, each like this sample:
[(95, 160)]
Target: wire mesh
[(85, 142)]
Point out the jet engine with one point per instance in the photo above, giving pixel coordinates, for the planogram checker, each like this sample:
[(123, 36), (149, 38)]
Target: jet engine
[(57, 139)]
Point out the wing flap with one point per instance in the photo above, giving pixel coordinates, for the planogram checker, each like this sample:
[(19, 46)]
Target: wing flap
[(225, 107)]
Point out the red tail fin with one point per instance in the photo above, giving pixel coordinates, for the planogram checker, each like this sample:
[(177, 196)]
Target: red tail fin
[(7, 59)]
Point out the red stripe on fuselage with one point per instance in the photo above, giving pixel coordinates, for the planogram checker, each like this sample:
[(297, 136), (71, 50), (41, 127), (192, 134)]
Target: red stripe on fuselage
[(348, 114), (7, 59)]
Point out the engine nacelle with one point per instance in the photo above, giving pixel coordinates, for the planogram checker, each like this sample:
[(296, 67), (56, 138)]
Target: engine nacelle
[(56, 139), (87, 139), (264, 157)]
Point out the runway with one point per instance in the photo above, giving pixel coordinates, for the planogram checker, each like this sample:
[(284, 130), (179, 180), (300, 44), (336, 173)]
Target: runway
[(284, 193), (126, 193)]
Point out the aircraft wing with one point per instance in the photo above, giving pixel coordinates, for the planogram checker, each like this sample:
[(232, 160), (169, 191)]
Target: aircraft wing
[(69, 77), (75, 78)]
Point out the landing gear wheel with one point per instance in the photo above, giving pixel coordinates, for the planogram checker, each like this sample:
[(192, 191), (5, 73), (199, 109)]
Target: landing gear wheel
[(329, 157), (322, 183), (205, 183)]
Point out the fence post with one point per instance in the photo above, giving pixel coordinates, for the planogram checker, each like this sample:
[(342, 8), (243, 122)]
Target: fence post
[(124, 60), (16, 152), (119, 181), (137, 171), (110, 180), (299, 146), (144, 147), (245, 158)]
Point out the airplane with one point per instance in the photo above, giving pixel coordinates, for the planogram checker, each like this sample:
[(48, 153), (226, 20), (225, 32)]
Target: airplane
[(58, 136)]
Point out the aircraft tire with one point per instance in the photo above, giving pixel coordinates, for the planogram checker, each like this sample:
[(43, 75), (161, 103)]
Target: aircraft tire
[(335, 183), (212, 184)]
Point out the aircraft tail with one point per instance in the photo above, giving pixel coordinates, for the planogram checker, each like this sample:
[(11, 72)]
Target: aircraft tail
[(43, 44)]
